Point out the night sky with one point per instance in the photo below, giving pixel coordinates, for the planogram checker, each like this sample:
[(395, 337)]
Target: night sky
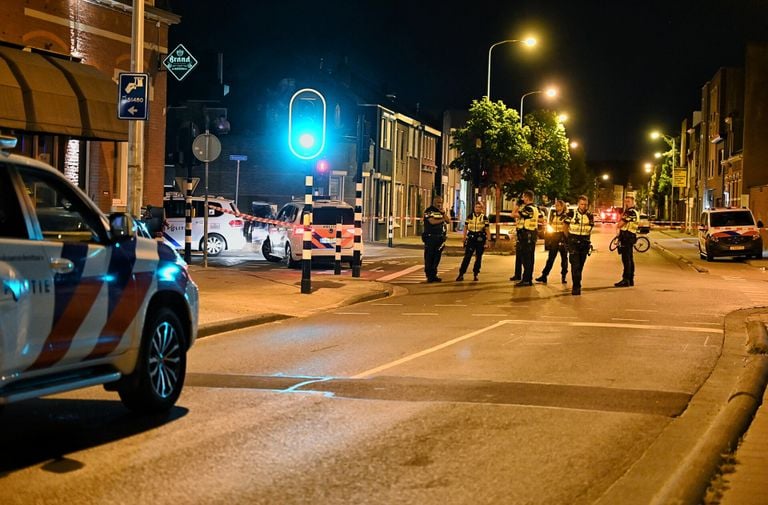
[(623, 68)]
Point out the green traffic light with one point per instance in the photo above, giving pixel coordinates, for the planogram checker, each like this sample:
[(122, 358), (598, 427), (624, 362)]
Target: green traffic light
[(306, 124)]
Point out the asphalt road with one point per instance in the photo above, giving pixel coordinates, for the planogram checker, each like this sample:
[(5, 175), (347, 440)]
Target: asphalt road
[(473, 392)]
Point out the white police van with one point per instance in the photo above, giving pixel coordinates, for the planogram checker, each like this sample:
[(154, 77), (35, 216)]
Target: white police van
[(86, 299), (225, 226)]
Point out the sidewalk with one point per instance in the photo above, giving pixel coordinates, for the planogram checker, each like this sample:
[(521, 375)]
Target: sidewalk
[(243, 296)]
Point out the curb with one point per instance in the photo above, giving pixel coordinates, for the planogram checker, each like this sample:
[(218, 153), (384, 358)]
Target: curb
[(678, 467), (678, 257), (209, 329)]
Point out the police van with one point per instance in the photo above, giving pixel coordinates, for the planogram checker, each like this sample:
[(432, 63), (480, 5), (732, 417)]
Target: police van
[(730, 232), (225, 227), (86, 299), (286, 235)]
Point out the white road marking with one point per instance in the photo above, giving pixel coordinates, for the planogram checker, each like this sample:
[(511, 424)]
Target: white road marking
[(352, 313), (400, 273), (450, 305), (388, 304), (560, 317), (640, 310), (490, 315), (420, 314), (419, 354), (635, 320), (411, 357), (701, 322)]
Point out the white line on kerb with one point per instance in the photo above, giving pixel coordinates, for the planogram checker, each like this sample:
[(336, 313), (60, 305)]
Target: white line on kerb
[(633, 320), (400, 273), (419, 354), (420, 314)]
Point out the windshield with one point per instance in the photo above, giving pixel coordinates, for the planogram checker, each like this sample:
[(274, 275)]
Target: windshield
[(732, 218), (330, 215)]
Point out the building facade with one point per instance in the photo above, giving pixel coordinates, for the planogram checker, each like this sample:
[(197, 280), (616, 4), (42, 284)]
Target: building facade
[(59, 66)]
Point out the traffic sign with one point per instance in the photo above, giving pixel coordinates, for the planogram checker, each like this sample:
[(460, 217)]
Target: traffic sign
[(206, 147), (133, 96), (679, 176), (238, 157), (180, 62)]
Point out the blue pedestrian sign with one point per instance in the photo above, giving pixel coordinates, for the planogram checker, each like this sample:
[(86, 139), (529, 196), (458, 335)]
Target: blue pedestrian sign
[(133, 96)]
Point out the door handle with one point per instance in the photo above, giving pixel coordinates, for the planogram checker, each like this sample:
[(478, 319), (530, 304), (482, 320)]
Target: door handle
[(62, 265)]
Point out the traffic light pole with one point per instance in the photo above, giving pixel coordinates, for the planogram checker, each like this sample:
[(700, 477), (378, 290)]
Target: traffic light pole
[(306, 253)]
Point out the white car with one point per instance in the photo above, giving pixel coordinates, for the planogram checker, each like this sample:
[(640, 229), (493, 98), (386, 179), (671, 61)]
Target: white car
[(86, 299), (285, 241), (730, 232), (225, 227)]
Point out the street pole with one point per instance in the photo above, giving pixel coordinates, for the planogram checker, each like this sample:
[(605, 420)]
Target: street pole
[(237, 185), (306, 251), (136, 127), (205, 211)]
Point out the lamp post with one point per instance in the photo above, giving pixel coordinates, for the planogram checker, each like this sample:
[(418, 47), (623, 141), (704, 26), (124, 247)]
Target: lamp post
[(604, 177), (550, 92), (648, 170), (530, 42), (670, 142)]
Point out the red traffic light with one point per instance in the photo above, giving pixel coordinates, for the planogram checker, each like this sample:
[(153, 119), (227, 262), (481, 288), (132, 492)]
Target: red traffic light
[(322, 166)]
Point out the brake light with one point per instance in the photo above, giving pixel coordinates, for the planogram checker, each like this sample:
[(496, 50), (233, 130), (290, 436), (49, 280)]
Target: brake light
[(236, 223)]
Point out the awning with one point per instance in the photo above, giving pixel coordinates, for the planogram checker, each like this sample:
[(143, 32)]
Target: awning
[(58, 96)]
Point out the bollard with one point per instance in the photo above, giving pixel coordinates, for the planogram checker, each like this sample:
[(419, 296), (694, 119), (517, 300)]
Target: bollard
[(391, 231), (357, 254), (306, 252), (337, 257)]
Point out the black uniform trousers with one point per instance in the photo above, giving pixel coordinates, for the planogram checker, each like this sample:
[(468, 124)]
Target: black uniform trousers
[(473, 247), (518, 256), (556, 245), (578, 250), (527, 253), (627, 250), (433, 251)]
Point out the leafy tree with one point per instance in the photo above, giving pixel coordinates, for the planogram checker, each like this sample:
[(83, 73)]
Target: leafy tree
[(581, 177), (493, 150), (548, 173)]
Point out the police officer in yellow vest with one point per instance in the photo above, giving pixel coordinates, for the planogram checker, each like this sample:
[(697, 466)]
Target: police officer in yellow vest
[(476, 234), (518, 275), (554, 242), (627, 237), (578, 230), (529, 215), (435, 220)]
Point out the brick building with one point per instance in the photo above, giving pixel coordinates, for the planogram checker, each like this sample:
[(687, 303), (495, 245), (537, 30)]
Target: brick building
[(59, 62)]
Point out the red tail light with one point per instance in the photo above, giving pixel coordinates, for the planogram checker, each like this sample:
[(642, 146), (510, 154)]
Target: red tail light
[(299, 230), (236, 223)]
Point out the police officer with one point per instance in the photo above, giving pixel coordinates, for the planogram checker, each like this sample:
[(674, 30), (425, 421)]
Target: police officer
[(518, 275), (554, 242), (578, 230), (529, 216), (627, 237), (476, 234), (435, 220)]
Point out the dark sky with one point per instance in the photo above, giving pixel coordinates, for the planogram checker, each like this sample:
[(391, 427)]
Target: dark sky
[(623, 67)]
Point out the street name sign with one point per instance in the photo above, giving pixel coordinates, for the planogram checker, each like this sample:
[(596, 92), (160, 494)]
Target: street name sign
[(180, 62), (238, 157), (133, 96)]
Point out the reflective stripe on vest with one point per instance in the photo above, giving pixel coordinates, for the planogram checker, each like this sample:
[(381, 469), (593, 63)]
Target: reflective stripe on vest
[(530, 217), (630, 218), (476, 223), (580, 224)]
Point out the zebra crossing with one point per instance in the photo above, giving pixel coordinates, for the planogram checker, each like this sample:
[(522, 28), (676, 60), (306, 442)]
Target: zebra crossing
[(756, 291), (415, 274)]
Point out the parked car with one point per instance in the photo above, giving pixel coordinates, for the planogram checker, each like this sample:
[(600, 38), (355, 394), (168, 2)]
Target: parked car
[(86, 299), (225, 227), (255, 230), (507, 226), (285, 241), (609, 215), (729, 232), (644, 224)]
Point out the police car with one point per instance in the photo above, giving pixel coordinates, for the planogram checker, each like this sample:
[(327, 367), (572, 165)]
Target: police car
[(86, 299)]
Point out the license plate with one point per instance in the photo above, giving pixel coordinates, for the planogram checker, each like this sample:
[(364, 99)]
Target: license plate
[(737, 248)]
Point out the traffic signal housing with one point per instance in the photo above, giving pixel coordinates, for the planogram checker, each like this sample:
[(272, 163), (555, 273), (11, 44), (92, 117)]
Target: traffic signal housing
[(306, 124)]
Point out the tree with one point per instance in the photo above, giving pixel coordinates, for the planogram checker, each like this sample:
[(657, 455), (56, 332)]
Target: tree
[(493, 150), (547, 173)]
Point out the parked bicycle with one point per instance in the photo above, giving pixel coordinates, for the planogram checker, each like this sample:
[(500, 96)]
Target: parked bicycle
[(642, 244)]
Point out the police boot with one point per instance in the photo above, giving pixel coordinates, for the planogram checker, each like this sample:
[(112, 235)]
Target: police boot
[(542, 279), (460, 278), (576, 291), (565, 280), (475, 278)]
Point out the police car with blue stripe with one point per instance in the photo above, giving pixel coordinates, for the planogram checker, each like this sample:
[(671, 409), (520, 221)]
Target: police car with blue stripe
[(86, 299)]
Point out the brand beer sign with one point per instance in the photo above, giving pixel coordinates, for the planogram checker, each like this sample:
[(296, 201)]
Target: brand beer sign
[(180, 62)]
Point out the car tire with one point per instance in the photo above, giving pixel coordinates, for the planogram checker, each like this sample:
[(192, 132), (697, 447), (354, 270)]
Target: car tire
[(266, 250), (157, 381), (216, 244), (708, 255), (289, 261)]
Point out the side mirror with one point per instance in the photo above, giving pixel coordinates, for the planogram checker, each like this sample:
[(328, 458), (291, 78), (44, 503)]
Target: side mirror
[(121, 226)]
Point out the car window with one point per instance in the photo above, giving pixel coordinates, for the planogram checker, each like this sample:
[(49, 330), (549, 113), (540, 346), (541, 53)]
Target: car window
[(732, 218), (12, 224), (60, 211), (174, 208), (330, 215), (198, 207)]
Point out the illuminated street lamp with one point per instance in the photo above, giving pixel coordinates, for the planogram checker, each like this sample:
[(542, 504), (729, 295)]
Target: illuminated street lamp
[(604, 177), (550, 92), (562, 117), (529, 42), (574, 144), (648, 167)]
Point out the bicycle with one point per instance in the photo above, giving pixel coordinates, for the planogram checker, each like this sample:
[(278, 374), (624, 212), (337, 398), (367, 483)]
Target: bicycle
[(642, 244)]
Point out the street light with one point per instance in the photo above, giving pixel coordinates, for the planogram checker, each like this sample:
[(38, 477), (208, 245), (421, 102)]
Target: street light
[(529, 42), (670, 142), (562, 118), (648, 170), (550, 92), (574, 144), (604, 177)]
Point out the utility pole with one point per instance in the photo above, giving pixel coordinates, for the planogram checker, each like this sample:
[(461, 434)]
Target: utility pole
[(135, 127)]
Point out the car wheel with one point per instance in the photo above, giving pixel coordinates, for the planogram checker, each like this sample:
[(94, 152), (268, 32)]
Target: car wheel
[(266, 250), (156, 383), (216, 244), (289, 261), (709, 256)]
